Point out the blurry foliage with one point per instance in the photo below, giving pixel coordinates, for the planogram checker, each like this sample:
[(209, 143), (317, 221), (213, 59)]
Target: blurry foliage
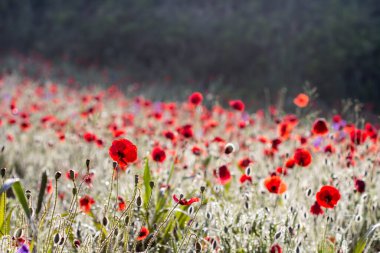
[(334, 44)]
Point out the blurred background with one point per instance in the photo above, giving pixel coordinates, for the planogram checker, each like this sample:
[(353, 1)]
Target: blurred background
[(244, 48)]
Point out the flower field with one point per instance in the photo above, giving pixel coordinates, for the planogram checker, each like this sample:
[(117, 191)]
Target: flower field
[(93, 170)]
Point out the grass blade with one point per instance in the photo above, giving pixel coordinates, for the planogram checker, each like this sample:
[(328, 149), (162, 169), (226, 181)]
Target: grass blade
[(42, 192)]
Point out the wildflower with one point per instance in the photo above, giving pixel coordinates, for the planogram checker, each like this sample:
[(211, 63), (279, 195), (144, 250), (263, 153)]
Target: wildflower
[(274, 184), (49, 187), (158, 154), (185, 202), (302, 157), (23, 249), (359, 185), (89, 137), (244, 163), (276, 249), (245, 178), (85, 203), (320, 127), (328, 196), (290, 163), (123, 152), (358, 136), (88, 179), (144, 232), (196, 98), (237, 105), (121, 204), (302, 100), (186, 131), (316, 209), (223, 175)]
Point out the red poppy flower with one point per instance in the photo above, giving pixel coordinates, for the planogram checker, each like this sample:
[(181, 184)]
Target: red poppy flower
[(274, 184), (123, 152), (302, 157), (85, 203), (144, 232), (244, 163), (328, 196), (25, 125), (237, 105), (196, 98), (290, 163), (169, 135), (185, 202), (89, 137), (49, 187), (223, 175), (196, 150), (320, 127), (158, 154), (359, 185), (245, 178), (121, 204), (88, 179), (358, 136), (302, 100), (276, 249), (316, 209), (186, 131), (329, 149)]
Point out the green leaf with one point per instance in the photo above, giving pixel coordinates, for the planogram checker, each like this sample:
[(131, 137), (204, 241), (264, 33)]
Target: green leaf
[(7, 223), (42, 192), (20, 195), (362, 242), (147, 178)]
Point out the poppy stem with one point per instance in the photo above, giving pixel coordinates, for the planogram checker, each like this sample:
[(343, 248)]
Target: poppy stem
[(109, 195), (159, 228), (52, 214), (190, 225)]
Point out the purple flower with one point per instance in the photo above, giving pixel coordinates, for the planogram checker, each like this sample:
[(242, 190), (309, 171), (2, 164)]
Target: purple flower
[(23, 249)]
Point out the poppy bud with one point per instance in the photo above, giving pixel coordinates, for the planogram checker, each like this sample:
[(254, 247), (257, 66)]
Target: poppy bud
[(18, 233), (56, 238), (72, 174), (198, 247), (114, 164), (57, 175), (88, 165), (75, 191), (138, 201), (136, 180), (151, 184), (126, 220), (28, 194), (203, 189), (229, 148), (105, 221), (62, 240), (76, 243), (2, 172)]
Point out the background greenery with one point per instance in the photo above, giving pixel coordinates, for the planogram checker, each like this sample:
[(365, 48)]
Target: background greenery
[(244, 45)]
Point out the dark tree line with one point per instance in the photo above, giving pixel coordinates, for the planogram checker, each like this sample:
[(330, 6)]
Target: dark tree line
[(334, 44)]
